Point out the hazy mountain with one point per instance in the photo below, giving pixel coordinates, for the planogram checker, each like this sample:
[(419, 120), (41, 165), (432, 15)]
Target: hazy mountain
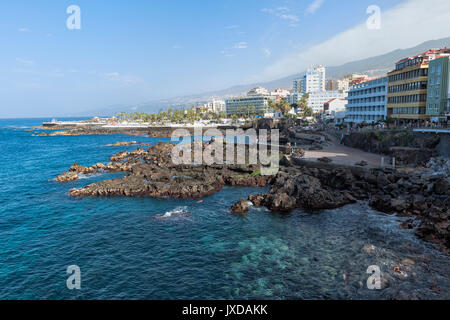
[(374, 66)]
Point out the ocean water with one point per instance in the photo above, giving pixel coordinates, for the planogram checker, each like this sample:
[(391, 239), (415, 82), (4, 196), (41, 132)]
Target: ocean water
[(125, 250)]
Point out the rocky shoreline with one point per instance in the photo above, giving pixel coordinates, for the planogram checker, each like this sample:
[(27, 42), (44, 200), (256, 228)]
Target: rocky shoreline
[(158, 132), (422, 197)]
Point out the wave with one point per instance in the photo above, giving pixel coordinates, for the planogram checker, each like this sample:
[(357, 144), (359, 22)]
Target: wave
[(177, 212)]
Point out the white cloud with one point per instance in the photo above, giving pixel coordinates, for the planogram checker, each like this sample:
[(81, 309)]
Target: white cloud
[(23, 29), (240, 45), (314, 6), (227, 53), (290, 17), (281, 12), (267, 52), (177, 47), (112, 75), (24, 62), (404, 26), (232, 27), (122, 79)]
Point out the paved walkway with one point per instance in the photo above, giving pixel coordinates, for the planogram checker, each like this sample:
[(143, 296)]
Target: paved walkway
[(341, 154)]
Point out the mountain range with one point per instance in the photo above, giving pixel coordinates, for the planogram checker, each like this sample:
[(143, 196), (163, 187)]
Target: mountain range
[(373, 67)]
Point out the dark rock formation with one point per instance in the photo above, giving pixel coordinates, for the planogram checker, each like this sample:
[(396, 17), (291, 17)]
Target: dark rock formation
[(240, 207), (152, 173), (412, 156), (290, 191), (325, 159)]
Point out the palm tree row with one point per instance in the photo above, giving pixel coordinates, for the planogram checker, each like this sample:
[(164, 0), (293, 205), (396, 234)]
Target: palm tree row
[(174, 116)]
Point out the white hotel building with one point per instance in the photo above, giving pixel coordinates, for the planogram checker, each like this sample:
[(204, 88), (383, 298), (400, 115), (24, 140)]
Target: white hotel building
[(314, 80), (316, 100), (367, 101), (313, 83)]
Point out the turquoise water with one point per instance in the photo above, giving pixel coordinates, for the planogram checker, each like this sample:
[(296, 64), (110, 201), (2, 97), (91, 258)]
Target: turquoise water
[(125, 253)]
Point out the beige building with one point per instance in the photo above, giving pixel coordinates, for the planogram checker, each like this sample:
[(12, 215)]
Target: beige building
[(408, 83)]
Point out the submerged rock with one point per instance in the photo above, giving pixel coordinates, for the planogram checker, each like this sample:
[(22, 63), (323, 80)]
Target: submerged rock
[(125, 143)]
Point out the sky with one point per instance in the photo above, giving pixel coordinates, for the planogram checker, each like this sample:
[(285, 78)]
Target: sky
[(131, 52)]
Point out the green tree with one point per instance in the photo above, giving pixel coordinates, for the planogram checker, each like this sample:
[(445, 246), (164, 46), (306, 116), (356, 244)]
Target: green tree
[(307, 112), (283, 106)]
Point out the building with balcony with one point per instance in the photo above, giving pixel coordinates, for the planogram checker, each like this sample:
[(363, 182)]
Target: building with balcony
[(367, 101), (408, 85), (256, 102), (258, 91), (438, 91)]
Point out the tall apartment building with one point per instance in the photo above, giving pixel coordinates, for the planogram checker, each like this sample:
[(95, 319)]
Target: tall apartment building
[(367, 101), (408, 84), (438, 92), (312, 81)]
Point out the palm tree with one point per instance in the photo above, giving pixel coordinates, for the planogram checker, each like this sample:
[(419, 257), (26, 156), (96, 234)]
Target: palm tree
[(240, 108), (283, 106), (303, 103), (253, 111)]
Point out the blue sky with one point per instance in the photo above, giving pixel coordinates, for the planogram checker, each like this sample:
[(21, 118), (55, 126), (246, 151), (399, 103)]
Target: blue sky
[(129, 52)]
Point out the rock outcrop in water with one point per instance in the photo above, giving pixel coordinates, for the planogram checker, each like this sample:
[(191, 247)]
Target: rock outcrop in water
[(152, 173), (240, 207), (291, 190), (423, 197)]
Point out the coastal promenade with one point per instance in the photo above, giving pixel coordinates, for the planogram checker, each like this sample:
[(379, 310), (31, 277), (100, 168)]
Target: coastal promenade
[(428, 130)]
